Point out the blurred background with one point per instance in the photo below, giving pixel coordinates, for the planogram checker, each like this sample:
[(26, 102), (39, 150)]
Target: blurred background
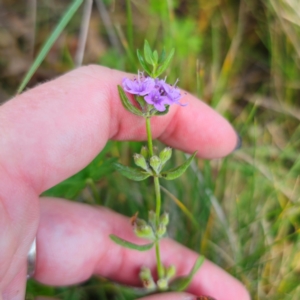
[(242, 57)]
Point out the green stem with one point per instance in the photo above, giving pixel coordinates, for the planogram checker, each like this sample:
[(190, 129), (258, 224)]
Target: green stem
[(160, 269), (149, 136), (154, 71), (158, 199)]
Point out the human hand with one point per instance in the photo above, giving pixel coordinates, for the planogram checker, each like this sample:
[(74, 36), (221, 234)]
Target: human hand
[(54, 130)]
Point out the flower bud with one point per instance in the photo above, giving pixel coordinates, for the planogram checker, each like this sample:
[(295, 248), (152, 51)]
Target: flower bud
[(161, 230), (155, 163), (162, 284), (165, 155), (152, 218), (145, 152), (146, 278), (144, 231), (164, 219), (145, 273), (140, 222), (140, 161), (170, 271)]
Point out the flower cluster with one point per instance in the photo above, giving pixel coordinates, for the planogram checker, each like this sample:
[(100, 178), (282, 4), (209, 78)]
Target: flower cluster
[(156, 91)]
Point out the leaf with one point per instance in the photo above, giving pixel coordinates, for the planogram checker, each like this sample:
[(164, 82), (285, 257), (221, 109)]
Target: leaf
[(178, 171), (181, 283), (148, 53), (127, 104), (129, 245), (155, 57), (142, 62), (165, 64), (131, 173), (162, 56), (140, 100)]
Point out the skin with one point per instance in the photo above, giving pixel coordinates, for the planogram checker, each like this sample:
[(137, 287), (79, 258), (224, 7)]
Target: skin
[(53, 131)]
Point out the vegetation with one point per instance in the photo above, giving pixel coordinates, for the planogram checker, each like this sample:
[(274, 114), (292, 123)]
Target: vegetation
[(242, 57)]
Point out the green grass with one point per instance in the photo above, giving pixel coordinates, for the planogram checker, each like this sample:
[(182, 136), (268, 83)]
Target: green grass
[(242, 58)]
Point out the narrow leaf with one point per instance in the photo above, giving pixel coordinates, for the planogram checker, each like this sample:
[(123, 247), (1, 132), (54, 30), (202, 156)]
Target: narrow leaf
[(49, 43), (142, 62), (148, 53), (127, 104), (162, 56), (178, 171), (155, 57), (129, 245), (166, 63), (181, 283), (131, 173), (140, 100)]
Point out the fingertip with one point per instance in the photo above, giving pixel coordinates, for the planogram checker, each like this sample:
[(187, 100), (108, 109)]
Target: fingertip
[(217, 283), (198, 127)]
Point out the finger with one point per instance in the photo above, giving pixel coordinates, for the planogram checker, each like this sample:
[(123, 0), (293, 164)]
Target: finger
[(15, 290), (170, 296), (54, 130), (73, 243), (19, 211)]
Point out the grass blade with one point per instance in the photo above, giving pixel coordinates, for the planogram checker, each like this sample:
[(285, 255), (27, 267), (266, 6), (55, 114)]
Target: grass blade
[(49, 43), (129, 25), (85, 22), (183, 208)]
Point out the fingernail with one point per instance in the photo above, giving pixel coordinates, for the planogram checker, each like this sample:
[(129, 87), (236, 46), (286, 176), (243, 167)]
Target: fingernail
[(238, 142)]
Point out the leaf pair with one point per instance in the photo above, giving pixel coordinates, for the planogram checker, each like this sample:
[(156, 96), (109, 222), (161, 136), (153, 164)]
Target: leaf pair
[(139, 175), (179, 284), (159, 64)]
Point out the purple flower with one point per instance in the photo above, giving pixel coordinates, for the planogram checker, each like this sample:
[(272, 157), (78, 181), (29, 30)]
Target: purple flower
[(156, 92), (156, 99), (139, 86), (171, 93)]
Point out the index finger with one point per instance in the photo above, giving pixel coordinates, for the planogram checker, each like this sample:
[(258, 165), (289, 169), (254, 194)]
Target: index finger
[(54, 130), (73, 243)]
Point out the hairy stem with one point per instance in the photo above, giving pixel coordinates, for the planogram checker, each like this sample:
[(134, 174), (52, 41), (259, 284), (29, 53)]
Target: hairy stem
[(160, 270)]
